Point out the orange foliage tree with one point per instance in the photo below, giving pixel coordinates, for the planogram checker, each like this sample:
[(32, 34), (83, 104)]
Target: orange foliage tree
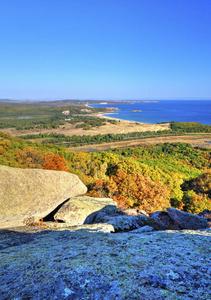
[(98, 189), (55, 162), (134, 191)]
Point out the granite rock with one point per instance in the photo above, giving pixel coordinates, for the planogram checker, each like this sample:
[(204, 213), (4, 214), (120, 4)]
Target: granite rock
[(38, 263), (121, 222), (186, 220), (31, 194), (84, 209), (163, 221), (143, 229)]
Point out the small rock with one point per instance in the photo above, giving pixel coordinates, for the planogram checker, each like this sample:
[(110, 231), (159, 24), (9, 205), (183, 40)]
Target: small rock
[(129, 211), (121, 222), (173, 275), (143, 229), (143, 212)]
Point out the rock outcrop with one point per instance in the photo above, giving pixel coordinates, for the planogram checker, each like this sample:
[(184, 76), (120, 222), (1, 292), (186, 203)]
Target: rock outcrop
[(28, 195), (76, 264), (186, 220), (84, 210), (176, 219), (33, 193), (121, 222), (85, 261)]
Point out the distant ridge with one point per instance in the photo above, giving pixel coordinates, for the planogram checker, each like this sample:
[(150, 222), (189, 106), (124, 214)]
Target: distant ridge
[(67, 102)]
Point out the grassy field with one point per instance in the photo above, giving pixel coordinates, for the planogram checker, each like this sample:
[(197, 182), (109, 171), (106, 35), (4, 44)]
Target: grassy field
[(196, 140)]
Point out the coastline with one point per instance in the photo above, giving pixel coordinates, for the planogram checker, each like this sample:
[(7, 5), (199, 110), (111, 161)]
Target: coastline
[(104, 116), (163, 111)]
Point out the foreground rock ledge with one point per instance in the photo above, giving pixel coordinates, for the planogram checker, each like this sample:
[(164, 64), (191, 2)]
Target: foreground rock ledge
[(26, 193), (38, 263)]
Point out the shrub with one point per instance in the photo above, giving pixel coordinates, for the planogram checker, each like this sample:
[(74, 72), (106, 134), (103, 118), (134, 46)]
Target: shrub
[(195, 203)]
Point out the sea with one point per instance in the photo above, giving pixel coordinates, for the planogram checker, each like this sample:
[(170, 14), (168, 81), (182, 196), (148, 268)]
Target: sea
[(161, 111)]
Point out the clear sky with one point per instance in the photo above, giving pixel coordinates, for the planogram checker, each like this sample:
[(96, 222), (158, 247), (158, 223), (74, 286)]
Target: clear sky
[(105, 49)]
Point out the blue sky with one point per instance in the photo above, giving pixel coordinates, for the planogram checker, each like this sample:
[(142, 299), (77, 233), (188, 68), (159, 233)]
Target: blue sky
[(105, 49)]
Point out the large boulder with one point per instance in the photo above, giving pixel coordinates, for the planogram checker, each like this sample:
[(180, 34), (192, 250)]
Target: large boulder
[(84, 209), (31, 194), (186, 220)]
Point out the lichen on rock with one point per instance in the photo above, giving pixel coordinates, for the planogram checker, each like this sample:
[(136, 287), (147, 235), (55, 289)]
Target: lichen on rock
[(71, 263)]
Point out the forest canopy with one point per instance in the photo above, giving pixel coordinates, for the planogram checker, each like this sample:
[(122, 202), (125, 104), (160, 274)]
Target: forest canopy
[(145, 177), (190, 127), (26, 117)]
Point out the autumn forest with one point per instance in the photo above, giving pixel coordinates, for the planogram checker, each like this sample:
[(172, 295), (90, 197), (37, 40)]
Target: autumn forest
[(151, 178)]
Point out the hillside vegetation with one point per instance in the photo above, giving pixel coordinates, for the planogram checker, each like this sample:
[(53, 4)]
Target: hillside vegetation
[(26, 117), (148, 177), (190, 127), (176, 128)]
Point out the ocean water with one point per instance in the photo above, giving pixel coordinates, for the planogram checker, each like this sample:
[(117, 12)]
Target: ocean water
[(163, 111)]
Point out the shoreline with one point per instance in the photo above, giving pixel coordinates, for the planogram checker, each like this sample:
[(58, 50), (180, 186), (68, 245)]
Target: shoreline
[(166, 112), (102, 115), (112, 112)]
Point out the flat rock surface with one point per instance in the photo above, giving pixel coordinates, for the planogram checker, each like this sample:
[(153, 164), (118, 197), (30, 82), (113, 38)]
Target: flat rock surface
[(34, 193), (70, 263)]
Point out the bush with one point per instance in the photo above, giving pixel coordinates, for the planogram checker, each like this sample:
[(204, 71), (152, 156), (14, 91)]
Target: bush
[(195, 203)]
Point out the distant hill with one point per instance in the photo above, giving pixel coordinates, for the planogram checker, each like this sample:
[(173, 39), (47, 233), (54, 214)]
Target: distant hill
[(66, 102), (44, 103)]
